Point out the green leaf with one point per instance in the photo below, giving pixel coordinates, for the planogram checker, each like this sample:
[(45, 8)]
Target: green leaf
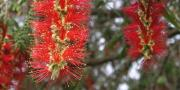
[(161, 80), (170, 16)]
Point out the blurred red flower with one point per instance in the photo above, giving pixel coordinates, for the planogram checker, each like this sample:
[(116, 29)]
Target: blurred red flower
[(145, 35), (12, 66)]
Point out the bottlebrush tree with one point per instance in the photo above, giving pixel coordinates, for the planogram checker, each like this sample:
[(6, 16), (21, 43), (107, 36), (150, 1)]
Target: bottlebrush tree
[(50, 36), (60, 33), (146, 34)]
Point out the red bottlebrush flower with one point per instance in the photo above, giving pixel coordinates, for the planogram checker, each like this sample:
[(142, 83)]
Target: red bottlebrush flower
[(12, 64), (60, 35), (146, 35)]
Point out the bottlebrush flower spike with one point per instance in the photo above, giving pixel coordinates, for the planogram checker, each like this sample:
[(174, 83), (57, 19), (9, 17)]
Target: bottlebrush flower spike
[(60, 36), (12, 63), (145, 35)]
